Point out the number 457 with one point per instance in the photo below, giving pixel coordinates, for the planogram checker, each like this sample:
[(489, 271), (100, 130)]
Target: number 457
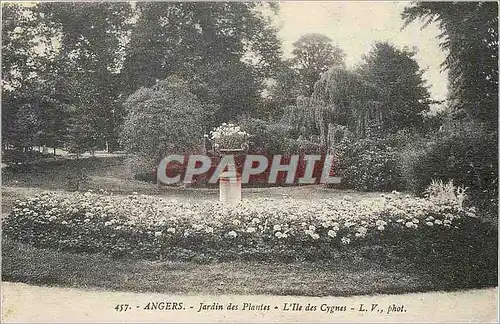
[(122, 307)]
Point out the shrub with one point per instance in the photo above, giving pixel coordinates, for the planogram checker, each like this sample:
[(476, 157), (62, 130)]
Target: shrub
[(153, 227), (277, 138), (465, 153), (367, 164), (265, 137), (163, 119)]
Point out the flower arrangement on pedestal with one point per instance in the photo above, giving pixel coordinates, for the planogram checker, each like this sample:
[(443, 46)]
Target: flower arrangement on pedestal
[(229, 137)]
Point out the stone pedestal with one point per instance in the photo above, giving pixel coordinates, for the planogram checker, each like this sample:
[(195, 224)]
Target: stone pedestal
[(230, 188)]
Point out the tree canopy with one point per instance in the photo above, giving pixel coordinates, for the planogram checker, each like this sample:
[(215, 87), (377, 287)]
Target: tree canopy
[(402, 95), (469, 33), (314, 54), (224, 50)]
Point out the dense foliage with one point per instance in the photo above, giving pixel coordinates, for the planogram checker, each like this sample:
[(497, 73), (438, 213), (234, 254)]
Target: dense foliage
[(401, 101), (470, 37), (164, 119), (465, 153), (368, 164), (62, 61)]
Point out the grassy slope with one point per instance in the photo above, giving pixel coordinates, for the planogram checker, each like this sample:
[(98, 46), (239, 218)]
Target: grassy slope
[(348, 276), (344, 277)]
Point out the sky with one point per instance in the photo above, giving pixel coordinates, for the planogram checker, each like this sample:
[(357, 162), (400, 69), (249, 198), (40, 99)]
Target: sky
[(355, 25)]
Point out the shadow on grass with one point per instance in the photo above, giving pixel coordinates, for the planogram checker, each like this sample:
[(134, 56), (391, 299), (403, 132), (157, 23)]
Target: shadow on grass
[(350, 276)]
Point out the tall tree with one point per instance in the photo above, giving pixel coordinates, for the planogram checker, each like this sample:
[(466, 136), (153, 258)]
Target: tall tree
[(18, 66), (403, 97), (87, 56), (469, 33), (314, 54), (225, 50)]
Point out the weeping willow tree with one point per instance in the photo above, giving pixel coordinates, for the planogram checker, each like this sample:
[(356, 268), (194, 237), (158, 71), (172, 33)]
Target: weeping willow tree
[(342, 97), (300, 117)]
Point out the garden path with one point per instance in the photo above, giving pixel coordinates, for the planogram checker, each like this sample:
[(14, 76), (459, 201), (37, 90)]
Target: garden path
[(25, 303)]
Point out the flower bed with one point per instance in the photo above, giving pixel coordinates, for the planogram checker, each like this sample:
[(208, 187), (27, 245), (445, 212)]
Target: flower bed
[(154, 227)]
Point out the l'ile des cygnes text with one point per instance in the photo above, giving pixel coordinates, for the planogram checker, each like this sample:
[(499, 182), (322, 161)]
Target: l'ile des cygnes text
[(255, 306)]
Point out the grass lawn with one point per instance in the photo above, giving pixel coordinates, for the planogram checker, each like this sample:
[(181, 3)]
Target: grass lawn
[(353, 275), (348, 276)]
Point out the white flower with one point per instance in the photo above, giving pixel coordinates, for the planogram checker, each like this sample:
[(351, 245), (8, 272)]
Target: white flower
[(315, 236), (232, 234), (362, 230), (107, 223), (256, 220), (88, 214), (236, 222), (209, 230), (380, 222), (278, 234), (251, 229), (197, 227), (345, 240), (381, 228), (309, 232), (171, 230), (348, 224), (416, 221), (332, 233), (409, 224), (158, 234), (439, 222), (277, 227), (429, 223), (86, 220), (312, 228)]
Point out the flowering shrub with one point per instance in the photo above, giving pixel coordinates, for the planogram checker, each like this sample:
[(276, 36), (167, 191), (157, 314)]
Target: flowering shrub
[(368, 164), (155, 227), (229, 136)]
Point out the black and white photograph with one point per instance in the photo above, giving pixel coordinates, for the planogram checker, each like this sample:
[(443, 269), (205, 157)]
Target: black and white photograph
[(210, 161)]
